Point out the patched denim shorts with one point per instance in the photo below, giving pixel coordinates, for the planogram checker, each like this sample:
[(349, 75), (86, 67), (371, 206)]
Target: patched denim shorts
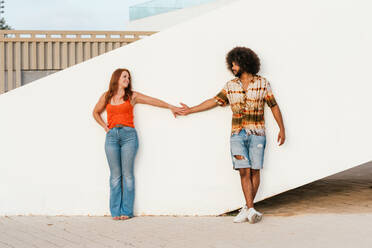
[(251, 148)]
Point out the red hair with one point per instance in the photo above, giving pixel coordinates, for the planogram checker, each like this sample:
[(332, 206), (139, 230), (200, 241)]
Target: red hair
[(113, 87)]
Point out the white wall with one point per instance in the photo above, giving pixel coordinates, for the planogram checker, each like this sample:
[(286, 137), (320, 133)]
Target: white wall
[(315, 54)]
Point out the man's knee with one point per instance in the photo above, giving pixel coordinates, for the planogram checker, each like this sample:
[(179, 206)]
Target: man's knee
[(245, 172), (255, 172)]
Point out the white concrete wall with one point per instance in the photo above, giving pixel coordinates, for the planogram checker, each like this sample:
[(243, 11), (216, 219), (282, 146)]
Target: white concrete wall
[(315, 54)]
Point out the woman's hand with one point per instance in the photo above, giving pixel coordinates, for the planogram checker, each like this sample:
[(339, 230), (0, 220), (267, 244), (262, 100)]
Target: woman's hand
[(185, 110), (175, 110), (106, 129)]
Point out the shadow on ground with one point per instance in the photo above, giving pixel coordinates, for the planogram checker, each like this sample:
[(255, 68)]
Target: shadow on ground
[(347, 192)]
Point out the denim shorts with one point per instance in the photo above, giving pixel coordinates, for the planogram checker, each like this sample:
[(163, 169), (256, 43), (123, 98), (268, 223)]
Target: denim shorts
[(250, 147)]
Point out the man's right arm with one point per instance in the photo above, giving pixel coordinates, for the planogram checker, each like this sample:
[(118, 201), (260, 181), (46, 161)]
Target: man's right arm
[(207, 104), (220, 99)]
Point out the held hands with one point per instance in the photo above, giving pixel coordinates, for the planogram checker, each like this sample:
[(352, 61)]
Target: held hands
[(175, 110), (184, 110)]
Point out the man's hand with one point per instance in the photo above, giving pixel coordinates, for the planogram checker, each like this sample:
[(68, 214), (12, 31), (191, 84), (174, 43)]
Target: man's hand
[(281, 137), (175, 110), (207, 104), (185, 110), (279, 119)]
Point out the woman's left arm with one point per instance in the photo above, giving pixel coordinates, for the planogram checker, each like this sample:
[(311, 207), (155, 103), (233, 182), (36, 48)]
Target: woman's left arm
[(141, 98)]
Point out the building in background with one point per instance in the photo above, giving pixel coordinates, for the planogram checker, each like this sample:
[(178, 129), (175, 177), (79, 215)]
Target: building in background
[(158, 15), (155, 7), (27, 55)]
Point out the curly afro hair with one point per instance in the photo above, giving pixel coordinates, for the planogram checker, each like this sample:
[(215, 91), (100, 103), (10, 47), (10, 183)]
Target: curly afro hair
[(247, 60)]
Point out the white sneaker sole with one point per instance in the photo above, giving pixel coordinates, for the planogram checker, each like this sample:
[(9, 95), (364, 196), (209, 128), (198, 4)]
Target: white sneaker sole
[(241, 221), (255, 218)]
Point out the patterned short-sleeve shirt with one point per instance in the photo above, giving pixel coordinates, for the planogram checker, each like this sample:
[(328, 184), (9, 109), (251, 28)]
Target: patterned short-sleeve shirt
[(247, 106)]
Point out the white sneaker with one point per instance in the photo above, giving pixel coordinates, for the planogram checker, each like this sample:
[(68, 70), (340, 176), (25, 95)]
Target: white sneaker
[(242, 216), (254, 216)]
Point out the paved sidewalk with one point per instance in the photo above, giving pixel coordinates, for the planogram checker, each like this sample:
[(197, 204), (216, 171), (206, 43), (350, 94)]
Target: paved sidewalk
[(320, 230), (332, 212), (346, 192)]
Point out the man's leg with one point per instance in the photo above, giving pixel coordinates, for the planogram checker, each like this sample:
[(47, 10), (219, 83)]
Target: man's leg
[(241, 162), (255, 178), (256, 148), (247, 187), (256, 155)]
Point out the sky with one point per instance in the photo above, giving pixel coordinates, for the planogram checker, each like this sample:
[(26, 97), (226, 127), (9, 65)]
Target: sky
[(68, 14)]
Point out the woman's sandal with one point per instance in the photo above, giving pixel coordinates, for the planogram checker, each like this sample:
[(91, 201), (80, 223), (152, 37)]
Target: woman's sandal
[(116, 218), (124, 217)]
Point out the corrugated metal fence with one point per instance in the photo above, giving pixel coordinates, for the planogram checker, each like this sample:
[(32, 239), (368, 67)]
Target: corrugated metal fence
[(34, 51)]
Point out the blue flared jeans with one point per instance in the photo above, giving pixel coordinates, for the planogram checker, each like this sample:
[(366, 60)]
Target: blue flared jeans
[(121, 147)]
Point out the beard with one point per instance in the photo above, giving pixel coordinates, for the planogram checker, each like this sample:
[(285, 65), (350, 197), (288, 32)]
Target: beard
[(238, 73)]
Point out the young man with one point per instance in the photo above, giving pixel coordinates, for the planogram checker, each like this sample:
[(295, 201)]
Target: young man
[(246, 95)]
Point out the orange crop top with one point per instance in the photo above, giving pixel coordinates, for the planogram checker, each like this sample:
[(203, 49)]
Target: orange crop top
[(120, 114)]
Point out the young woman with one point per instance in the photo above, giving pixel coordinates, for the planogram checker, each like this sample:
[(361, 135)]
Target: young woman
[(121, 138)]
